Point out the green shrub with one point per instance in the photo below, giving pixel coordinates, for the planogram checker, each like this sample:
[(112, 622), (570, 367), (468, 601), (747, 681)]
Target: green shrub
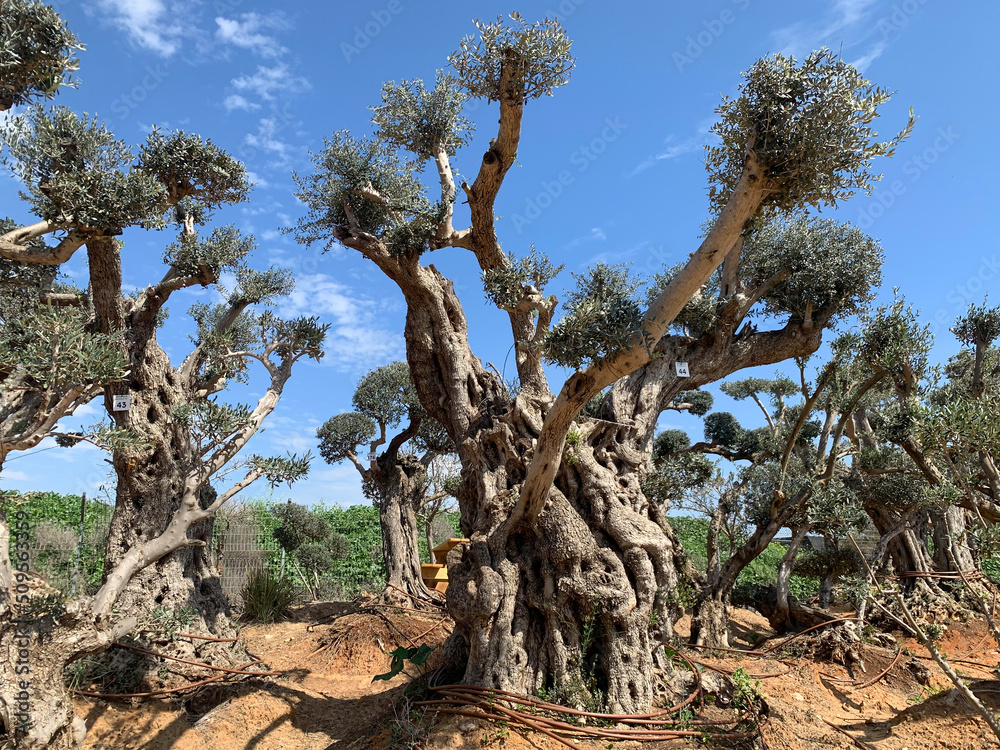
[(266, 598)]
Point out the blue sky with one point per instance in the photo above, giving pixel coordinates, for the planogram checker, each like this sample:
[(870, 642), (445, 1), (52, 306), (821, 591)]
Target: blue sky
[(610, 169)]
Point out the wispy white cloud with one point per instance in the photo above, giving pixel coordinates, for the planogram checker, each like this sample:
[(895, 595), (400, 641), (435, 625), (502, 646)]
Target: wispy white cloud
[(150, 24), (870, 56), (91, 409), (844, 21), (596, 234), (674, 149), (266, 82), (357, 339), (246, 30), (256, 180), (237, 102), (291, 434), (266, 138), (16, 476)]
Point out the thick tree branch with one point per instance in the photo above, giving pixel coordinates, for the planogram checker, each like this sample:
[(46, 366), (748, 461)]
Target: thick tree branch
[(582, 386), (14, 244), (153, 298)]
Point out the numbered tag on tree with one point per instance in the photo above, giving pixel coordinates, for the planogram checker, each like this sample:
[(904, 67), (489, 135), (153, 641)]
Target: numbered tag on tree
[(682, 369), (371, 457), (121, 403)]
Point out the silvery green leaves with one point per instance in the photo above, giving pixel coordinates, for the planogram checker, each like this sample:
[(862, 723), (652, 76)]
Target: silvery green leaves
[(809, 127), (211, 422), (37, 52), (602, 317), (539, 54), (293, 338), (76, 173), (190, 167), (962, 426), (281, 469), (341, 435), (227, 343), (833, 267), (506, 285), (363, 184), (777, 388), (422, 120), (700, 314), (73, 171), (980, 326), (892, 339), (252, 286), (61, 352), (386, 394), (225, 248), (696, 402)]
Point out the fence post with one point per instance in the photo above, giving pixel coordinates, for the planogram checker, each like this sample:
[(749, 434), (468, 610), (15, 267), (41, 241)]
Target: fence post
[(79, 543)]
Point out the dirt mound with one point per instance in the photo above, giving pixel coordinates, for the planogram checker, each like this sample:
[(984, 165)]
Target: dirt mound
[(360, 643)]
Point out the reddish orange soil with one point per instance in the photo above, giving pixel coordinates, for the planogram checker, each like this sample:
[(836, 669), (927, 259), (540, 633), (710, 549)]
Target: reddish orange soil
[(327, 700)]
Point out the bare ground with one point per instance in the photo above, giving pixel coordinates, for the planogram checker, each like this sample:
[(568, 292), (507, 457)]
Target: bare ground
[(326, 698)]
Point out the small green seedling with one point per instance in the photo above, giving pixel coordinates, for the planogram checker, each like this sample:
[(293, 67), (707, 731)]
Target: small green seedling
[(416, 656)]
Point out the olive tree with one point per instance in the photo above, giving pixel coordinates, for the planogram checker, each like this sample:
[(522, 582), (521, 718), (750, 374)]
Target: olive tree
[(396, 479), (931, 445), (90, 187), (37, 52), (560, 530)]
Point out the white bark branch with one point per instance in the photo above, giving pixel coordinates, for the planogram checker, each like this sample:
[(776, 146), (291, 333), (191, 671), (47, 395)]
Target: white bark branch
[(13, 244)]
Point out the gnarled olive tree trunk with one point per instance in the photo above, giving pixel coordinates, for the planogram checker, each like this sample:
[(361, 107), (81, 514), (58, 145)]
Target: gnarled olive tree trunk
[(781, 617), (911, 561), (150, 480), (580, 601), (400, 487), (710, 619)]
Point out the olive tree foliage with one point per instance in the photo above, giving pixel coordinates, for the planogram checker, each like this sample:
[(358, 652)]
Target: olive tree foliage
[(47, 377), (810, 129), (310, 541), (86, 184), (89, 187), (51, 363), (543, 61), (38, 53), (933, 435), (795, 474), (538, 470)]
